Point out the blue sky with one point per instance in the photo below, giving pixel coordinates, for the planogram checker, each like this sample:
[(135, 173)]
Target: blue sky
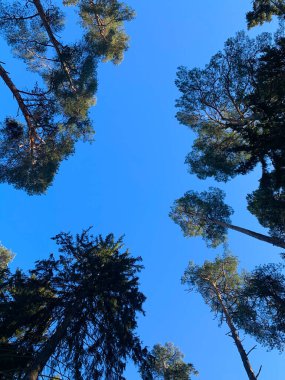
[(126, 181)]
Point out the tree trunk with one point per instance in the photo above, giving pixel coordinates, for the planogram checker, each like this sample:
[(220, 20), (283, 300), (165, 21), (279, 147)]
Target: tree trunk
[(4, 75), (268, 239), (235, 337), (48, 349), (54, 42)]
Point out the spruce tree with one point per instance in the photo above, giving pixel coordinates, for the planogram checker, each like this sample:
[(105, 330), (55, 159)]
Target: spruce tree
[(78, 308)]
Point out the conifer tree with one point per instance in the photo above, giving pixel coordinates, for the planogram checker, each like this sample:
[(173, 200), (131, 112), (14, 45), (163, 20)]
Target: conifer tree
[(206, 214), (236, 107), (263, 10), (75, 313), (219, 284), (261, 308), (33, 30), (166, 362)]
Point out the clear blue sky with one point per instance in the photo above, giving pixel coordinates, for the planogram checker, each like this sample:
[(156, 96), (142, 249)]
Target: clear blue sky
[(126, 181)]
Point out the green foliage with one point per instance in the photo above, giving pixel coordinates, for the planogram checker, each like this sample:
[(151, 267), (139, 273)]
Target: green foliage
[(263, 10), (166, 363), (5, 257), (30, 156), (215, 154), (218, 282), (23, 322), (267, 203), (203, 214), (104, 22), (91, 289), (56, 116), (215, 104), (235, 105), (261, 309)]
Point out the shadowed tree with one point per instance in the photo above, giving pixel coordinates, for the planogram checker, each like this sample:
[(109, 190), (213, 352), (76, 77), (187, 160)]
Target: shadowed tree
[(236, 107), (213, 105), (166, 362), (77, 312), (263, 10), (219, 284), (205, 214), (261, 310), (267, 203)]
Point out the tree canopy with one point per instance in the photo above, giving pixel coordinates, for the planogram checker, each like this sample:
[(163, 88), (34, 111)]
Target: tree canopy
[(228, 105), (235, 105), (54, 115), (219, 284), (166, 362), (261, 309), (206, 214), (263, 10), (197, 213), (79, 309)]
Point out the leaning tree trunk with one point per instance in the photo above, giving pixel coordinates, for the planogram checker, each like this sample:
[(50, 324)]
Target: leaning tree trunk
[(56, 44), (48, 349), (268, 239), (235, 337), (16, 93)]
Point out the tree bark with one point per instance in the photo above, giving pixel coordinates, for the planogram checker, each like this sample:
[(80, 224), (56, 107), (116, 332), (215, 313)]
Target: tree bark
[(54, 42), (24, 109), (4, 75), (268, 239), (235, 337), (48, 349)]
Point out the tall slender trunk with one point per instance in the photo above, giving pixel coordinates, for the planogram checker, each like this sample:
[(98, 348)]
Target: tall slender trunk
[(24, 109), (4, 75), (54, 42), (268, 239), (235, 337), (48, 349)]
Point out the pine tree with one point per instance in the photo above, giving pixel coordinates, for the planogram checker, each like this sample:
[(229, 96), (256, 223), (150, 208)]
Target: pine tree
[(263, 10), (261, 310), (206, 214), (219, 284), (55, 114), (166, 362)]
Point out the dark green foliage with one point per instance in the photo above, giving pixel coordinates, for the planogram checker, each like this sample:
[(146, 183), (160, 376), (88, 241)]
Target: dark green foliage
[(203, 214), (261, 309), (166, 363), (214, 103), (267, 203), (78, 309), (263, 10), (236, 107), (30, 155), (215, 154), (24, 318)]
